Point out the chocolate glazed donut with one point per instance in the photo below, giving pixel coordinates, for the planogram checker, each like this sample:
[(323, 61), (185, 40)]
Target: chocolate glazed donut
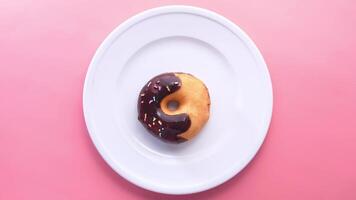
[(173, 126)]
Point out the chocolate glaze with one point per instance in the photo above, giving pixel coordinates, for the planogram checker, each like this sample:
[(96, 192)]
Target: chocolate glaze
[(166, 127)]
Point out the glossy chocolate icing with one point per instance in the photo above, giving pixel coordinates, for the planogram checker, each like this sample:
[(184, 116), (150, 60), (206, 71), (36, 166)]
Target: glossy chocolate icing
[(166, 127)]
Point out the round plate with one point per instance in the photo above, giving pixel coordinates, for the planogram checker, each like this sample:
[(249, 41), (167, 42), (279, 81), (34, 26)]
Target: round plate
[(178, 39)]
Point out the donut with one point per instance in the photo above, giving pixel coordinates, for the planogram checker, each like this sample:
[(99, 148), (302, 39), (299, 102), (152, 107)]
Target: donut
[(179, 123)]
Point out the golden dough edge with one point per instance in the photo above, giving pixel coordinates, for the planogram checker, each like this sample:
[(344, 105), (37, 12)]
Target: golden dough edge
[(193, 98)]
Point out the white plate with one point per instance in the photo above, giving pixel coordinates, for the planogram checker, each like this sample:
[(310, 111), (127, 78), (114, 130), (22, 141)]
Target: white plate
[(178, 39)]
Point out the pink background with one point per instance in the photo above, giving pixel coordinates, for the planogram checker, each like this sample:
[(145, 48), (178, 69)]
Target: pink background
[(309, 46)]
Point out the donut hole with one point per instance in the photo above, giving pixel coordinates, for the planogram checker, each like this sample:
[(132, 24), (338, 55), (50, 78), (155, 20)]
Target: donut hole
[(172, 105)]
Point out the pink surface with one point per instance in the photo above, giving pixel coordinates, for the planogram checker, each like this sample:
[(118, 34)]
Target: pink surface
[(309, 46)]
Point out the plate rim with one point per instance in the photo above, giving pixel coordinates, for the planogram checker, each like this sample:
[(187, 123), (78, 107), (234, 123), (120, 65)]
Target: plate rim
[(137, 18)]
